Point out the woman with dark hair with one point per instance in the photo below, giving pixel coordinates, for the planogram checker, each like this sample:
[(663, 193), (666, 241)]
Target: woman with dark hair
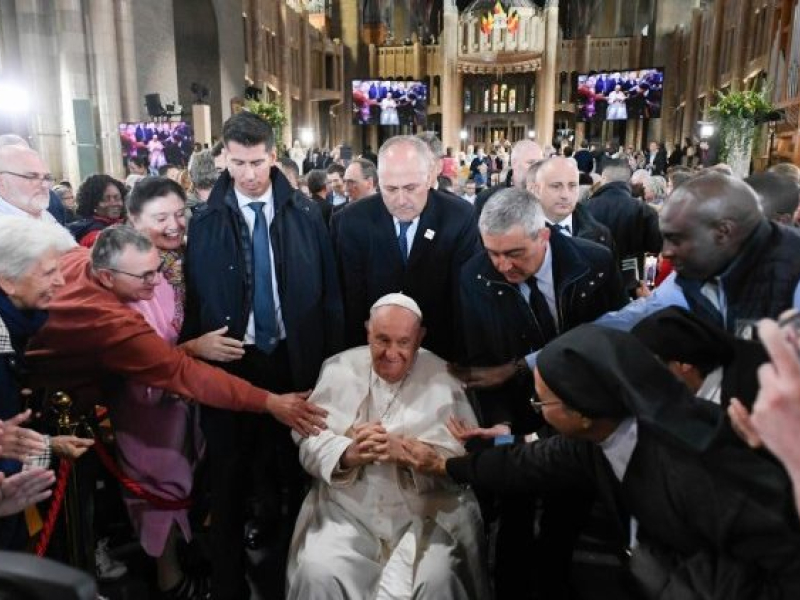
[(157, 434), (100, 201), (706, 517)]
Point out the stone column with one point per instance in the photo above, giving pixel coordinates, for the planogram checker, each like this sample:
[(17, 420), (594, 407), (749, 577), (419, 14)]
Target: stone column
[(37, 54), (73, 70), (712, 65), (106, 77), (451, 97), (285, 14), (546, 77), (690, 85), (739, 50), (304, 120), (231, 59), (131, 101), (355, 65)]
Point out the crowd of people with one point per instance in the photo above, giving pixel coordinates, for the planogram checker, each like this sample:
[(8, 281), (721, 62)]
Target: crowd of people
[(620, 96), (386, 389)]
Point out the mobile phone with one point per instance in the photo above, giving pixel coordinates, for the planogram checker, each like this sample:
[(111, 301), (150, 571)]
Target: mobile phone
[(650, 269)]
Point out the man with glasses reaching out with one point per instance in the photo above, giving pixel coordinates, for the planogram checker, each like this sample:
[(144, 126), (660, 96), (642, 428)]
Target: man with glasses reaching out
[(97, 338)]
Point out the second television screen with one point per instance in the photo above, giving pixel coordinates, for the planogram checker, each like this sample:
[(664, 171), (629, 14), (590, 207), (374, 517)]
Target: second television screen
[(620, 95), (389, 102)]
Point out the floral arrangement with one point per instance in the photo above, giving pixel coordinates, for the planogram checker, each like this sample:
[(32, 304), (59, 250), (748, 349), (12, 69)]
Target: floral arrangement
[(737, 114), (747, 104), (272, 113)]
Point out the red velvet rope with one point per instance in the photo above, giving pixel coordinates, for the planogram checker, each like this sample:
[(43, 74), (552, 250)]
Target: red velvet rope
[(56, 503), (134, 487)]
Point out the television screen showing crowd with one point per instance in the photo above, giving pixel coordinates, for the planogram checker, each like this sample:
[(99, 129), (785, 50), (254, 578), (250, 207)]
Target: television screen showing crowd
[(159, 143), (385, 102), (620, 95)]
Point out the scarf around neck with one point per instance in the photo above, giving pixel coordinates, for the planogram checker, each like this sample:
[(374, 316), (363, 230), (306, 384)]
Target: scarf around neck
[(21, 324)]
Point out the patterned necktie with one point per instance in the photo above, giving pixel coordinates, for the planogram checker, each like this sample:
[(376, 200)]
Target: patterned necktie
[(263, 300), (402, 239)]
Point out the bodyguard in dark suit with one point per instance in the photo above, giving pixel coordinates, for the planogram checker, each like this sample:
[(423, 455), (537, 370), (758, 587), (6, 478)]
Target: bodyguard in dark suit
[(259, 262), (529, 285), (410, 239), (555, 185)]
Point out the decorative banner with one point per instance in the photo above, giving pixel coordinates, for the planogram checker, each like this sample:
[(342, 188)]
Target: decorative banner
[(498, 18)]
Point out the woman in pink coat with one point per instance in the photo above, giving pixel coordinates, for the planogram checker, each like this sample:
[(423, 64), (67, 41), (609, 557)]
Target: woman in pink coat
[(157, 433)]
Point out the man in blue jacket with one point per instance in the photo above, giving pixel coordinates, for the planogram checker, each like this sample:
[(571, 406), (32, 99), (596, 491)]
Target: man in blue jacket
[(259, 262)]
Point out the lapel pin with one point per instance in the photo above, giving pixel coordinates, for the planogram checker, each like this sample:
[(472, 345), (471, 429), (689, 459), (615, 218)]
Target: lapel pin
[(429, 233)]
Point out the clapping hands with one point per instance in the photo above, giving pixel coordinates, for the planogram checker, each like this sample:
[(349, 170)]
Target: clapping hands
[(18, 442), (23, 489)]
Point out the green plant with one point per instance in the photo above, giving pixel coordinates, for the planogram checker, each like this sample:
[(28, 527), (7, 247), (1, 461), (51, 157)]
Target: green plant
[(737, 114), (272, 113), (747, 104)]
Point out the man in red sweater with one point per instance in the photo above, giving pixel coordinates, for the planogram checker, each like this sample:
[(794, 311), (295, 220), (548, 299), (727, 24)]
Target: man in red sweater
[(93, 337)]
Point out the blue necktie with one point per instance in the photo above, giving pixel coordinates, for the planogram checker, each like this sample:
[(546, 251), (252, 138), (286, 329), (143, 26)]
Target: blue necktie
[(564, 228), (402, 239), (263, 300)]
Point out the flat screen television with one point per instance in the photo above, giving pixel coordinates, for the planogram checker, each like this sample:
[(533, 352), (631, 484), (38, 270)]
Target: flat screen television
[(160, 142), (620, 95), (389, 102)]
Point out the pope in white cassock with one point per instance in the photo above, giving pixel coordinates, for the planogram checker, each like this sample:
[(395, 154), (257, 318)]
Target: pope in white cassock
[(370, 528)]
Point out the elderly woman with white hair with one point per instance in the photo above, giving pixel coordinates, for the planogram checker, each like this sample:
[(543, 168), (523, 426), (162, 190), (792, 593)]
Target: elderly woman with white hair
[(655, 191), (29, 276)]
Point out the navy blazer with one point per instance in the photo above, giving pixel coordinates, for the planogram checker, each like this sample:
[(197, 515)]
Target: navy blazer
[(218, 281)]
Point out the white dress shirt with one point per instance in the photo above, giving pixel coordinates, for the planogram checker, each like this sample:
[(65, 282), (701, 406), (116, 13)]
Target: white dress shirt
[(250, 219), (6, 208)]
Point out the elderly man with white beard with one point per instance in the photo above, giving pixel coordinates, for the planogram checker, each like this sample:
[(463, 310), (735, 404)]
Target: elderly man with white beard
[(369, 527), (25, 183)]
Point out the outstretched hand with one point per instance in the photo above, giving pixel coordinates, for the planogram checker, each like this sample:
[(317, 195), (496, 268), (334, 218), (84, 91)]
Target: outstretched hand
[(463, 432), (422, 457), (216, 346), (20, 442), (293, 410), (70, 446)]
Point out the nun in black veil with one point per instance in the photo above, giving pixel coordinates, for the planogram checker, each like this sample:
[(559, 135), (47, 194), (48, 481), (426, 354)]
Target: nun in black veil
[(704, 516)]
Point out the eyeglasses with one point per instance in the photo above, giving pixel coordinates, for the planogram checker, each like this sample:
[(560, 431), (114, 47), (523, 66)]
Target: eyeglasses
[(538, 405), (147, 277), (45, 178)]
